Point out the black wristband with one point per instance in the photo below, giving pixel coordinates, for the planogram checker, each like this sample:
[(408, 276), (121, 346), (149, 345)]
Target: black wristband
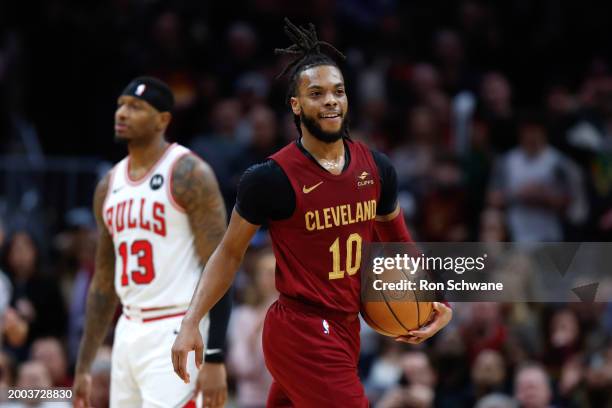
[(218, 356)]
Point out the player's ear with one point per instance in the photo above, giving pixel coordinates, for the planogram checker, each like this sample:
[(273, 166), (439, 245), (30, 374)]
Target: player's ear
[(164, 120), (295, 106)]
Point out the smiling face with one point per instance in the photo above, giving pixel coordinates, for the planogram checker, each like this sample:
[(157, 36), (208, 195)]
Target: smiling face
[(321, 102), (137, 120)]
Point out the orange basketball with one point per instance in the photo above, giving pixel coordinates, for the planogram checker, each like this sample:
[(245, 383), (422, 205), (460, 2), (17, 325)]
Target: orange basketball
[(394, 312), (396, 318)]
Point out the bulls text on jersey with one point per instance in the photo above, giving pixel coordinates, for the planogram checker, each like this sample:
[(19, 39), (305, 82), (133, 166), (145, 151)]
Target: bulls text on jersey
[(149, 216)]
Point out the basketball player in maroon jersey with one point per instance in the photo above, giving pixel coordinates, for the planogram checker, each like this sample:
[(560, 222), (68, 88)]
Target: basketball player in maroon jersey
[(321, 197)]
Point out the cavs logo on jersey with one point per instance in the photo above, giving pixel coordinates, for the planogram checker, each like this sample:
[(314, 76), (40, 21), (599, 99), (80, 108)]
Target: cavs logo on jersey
[(365, 179), (156, 181)]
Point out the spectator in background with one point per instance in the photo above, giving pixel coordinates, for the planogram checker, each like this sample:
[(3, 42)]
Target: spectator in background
[(246, 95), (49, 351), (532, 387), (12, 326), (425, 81), (428, 92), (246, 361), (5, 286), (496, 401), (220, 149), (241, 45), (598, 376), (386, 369), (288, 131), (78, 246), (531, 182), (263, 141), (420, 379), (488, 374), (252, 90), (564, 339), (590, 143), (497, 112), (36, 296), (7, 373), (443, 205), (492, 226), (414, 158), (452, 388), (417, 369), (483, 329), (476, 163), (412, 396), (449, 52)]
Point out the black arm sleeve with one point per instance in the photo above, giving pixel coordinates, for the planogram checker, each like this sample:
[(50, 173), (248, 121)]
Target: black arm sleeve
[(388, 184), (219, 319), (265, 193)]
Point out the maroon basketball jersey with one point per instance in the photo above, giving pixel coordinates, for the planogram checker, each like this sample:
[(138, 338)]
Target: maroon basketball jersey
[(318, 249)]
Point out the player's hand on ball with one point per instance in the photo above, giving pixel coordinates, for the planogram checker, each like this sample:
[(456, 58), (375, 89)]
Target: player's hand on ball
[(442, 315), (188, 339), (212, 383), (82, 391)]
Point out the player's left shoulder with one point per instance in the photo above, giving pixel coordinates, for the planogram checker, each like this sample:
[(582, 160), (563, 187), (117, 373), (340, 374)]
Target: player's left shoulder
[(191, 179), (357, 146), (189, 165)]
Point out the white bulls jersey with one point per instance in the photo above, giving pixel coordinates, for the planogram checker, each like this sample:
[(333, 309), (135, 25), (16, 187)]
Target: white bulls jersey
[(156, 265)]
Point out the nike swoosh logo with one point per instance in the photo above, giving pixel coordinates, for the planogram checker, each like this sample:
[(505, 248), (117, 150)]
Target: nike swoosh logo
[(307, 190), (210, 352), (117, 189)]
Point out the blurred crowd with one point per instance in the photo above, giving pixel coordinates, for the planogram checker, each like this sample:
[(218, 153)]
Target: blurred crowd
[(497, 118)]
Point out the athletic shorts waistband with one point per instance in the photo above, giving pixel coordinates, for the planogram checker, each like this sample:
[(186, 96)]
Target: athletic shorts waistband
[(321, 311), (151, 314)]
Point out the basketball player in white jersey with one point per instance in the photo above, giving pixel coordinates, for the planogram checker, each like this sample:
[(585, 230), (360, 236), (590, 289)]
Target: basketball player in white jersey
[(160, 215)]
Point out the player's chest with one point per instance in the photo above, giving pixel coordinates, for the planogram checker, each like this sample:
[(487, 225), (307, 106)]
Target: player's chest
[(327, 203), (134, 210), (314, 189)]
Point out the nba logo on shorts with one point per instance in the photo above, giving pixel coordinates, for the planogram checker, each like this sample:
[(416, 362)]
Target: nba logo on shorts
[(325, 327)]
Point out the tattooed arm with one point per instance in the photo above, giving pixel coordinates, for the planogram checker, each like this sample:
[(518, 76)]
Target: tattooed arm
[(195, 188), (101, 300)]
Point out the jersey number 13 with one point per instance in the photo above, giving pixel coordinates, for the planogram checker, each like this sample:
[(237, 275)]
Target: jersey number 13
[(143, 250)]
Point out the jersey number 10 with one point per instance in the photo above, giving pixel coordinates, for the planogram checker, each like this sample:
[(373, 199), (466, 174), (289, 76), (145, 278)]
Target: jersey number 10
[(353, 256), (144, 253)]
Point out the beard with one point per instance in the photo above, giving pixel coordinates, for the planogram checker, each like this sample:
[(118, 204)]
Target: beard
[(121, 140), (315, 129)]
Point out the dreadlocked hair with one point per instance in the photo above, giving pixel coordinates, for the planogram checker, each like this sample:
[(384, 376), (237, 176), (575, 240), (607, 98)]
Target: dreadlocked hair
[(307, 51)]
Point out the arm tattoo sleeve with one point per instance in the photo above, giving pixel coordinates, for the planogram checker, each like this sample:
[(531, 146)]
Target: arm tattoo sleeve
[(195, 188), (102, 299)]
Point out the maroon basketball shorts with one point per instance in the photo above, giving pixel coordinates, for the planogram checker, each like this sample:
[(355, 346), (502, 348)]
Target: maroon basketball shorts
[(312, 355)]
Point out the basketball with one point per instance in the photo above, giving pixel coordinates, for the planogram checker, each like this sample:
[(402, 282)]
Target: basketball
[(395, 312)]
